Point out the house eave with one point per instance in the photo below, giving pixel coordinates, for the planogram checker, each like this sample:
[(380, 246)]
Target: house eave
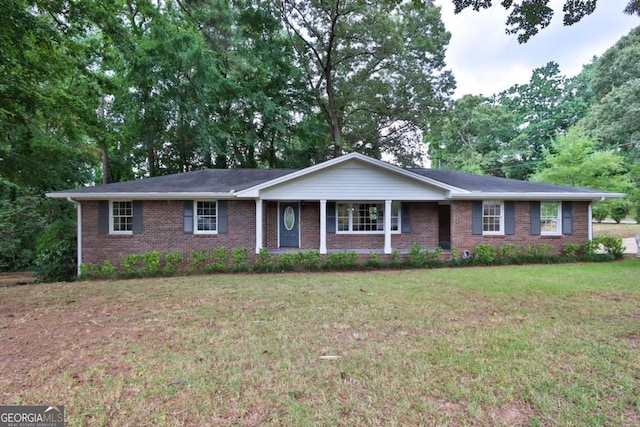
[(481, 195), (142, 196), (254, 192)]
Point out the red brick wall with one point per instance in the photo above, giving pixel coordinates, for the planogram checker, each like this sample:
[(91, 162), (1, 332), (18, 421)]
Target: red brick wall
[(162, 230), (462, 238)]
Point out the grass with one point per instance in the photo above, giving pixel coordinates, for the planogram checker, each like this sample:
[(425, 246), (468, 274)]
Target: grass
[(616, 230), (527, 345)]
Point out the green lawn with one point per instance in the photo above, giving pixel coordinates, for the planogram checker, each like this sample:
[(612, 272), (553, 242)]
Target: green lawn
[(521, 345)]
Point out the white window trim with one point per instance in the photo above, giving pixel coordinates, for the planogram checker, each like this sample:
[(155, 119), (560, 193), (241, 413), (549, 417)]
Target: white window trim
[(558, 231), (373, 202), (501, 231), (195, 218), (111, 224)]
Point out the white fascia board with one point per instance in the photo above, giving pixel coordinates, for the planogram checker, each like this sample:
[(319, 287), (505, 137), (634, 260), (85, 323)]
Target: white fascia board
[(140, 196), (477, 195), (254, 192)]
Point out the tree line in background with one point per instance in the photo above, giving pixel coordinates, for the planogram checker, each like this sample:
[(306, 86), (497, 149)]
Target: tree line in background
[(581, 131), (111, 90)]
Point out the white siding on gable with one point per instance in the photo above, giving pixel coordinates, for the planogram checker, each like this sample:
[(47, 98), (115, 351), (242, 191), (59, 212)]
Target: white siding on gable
[(353, 180)]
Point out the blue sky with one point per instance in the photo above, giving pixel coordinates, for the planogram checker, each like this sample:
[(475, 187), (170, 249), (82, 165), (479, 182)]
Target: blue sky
[(485, 60)]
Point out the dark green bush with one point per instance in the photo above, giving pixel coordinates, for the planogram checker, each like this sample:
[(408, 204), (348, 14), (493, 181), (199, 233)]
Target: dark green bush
[(346, 260), (22, 222), (485, 254), (239, 259), (57, 257)]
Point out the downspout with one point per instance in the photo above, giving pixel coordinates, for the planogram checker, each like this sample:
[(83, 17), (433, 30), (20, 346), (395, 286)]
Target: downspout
[(590, 222), (79, 232)]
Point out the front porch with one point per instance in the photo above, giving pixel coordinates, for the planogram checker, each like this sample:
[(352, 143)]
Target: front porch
[(320, 226)]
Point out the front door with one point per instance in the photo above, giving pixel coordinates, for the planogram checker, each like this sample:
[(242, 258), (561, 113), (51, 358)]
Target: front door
[(289, 225)]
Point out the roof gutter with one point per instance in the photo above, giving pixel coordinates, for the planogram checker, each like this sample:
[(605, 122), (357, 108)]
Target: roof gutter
[(477, 195), (79, 232), (140, 196)]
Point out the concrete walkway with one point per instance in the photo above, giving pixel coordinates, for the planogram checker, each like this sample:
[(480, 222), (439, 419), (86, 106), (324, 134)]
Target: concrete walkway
[(632, 247)]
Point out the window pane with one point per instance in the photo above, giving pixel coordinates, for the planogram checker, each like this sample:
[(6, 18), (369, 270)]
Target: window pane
[(549, 218), (206, 214), (491, 217), (343, 216), (122, 216)]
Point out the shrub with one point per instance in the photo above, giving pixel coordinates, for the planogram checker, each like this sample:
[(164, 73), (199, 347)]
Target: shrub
[(56, 260), (571, 250), (620, 209), (600, 212), (198, 260), (264, 261), (417, 255), (239, 259), (611, 245), (22, 224), (341, 260), (508, 251), (131, 264), (485, 254), (171, 260), (151, 263), (373, 261), (218, 259)]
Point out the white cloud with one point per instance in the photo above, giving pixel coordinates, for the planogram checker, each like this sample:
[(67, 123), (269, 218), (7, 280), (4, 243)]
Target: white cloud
[(485, 60)]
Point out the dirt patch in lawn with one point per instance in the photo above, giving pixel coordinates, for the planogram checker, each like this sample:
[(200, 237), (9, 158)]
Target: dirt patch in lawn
[(16, 278)]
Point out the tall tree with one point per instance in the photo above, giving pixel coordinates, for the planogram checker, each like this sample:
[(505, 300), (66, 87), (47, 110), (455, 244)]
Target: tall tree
[(615, 118), (471, 136), (376, 70), (527, 17)]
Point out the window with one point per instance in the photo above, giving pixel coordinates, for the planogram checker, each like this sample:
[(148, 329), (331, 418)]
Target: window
[(206, 217), (550, 214), (122, 217), (492, 217), (366, 217)]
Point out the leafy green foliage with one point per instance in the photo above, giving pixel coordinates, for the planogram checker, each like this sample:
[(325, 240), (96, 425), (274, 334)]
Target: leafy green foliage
[(620, 209), (375, 70), (346, 260), (527, 17), (573, 159), (56, 259), (240, 259), (21, 224)]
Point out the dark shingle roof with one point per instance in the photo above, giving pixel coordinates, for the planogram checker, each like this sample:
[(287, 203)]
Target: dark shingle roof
[(201, 181), (471, 182)]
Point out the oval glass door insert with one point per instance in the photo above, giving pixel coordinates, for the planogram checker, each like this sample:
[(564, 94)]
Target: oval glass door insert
[(289, 218)]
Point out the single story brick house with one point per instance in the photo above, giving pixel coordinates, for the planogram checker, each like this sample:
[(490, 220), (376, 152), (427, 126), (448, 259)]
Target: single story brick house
[(352, 202)]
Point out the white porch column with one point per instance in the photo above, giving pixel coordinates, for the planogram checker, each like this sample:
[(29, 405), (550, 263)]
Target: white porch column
[(590, 222), (323, 227), (258, 225), (387, 226)]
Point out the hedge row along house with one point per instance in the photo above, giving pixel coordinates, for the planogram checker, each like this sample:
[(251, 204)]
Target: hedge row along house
[(350, 203)]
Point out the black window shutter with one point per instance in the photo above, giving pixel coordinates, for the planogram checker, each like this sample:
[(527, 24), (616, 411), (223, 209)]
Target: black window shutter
[(510, 218), (476, 217), (331, 217), (405, 213), (535, 218), (223, 216), (188, 216), (567, 218), (137, 216), (103, 217)]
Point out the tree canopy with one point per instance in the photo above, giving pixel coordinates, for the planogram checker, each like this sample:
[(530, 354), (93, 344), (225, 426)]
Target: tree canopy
[(527, 17)]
